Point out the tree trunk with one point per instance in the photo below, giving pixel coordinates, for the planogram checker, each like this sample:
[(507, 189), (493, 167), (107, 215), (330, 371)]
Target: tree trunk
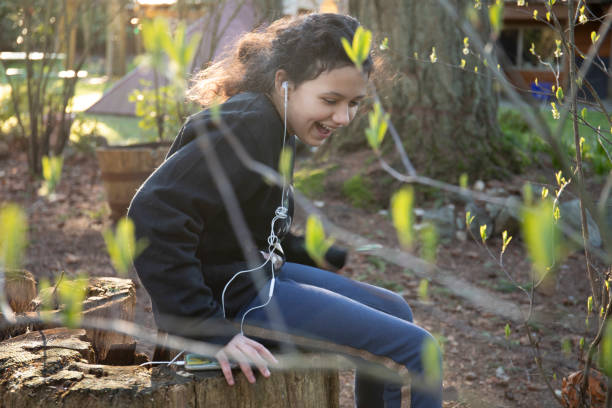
[(445, 115), (55, 371)]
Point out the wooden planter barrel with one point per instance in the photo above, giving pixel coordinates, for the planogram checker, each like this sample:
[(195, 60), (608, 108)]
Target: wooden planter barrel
[(124, 169)]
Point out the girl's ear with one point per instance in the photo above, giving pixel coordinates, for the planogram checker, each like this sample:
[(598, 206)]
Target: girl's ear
[(281, 82)]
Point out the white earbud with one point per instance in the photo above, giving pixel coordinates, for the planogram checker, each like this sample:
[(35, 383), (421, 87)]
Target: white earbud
[(285, 86)]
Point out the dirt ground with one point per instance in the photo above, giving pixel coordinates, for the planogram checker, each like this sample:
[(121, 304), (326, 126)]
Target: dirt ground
[(482, 367)]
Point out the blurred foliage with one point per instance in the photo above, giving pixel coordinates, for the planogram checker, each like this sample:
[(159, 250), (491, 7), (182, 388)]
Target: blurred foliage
[(310, 182), (315, 241), (359, 191), (122, 245), (13, 236)]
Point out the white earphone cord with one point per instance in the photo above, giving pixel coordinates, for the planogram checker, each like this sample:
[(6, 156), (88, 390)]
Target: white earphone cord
[(280, 213)]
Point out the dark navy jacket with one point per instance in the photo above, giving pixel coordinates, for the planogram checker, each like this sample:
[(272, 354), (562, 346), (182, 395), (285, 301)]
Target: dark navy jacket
[(192, 250)]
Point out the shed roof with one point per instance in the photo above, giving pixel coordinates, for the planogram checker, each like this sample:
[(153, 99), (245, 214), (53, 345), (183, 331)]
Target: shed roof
[(115, 100)]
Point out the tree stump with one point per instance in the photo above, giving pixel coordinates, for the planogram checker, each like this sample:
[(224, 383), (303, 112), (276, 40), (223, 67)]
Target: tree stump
[(111, 298), (64, 377), (20, 290)]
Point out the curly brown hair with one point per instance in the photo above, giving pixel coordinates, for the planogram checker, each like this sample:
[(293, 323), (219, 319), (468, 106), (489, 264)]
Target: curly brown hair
[(304, 46)]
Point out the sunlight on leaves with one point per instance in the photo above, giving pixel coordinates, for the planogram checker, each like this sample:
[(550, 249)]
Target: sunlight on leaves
[(429, 241), (431, 362), (375, 133), (555, 112), (496, 12), (544, 193), (359, 50), (71, 293), (384, 45), (52, 173), (559, 94), (505, 240), (535, 14), (558, 53), (541, 236), (316, 242), (463, 180), (122, 245), (605, 352), (466, 46), (469, 218), (594, 37), (433, 57), (423, 290), (402, 214), (13, 236), (483, 233), (462, 63), (285, 163)]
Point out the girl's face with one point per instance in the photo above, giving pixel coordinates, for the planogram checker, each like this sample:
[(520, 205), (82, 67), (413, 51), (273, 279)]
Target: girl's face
[(319, 106)]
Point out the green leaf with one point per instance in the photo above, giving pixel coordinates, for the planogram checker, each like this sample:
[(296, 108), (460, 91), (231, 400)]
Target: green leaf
[(359, 50), (122, 245), (463, 180), (583, 113), (581, 344), (594, 37), (605, 352), (469, 218), (285, 163), (402, 214), (483, 233), (507, 330), (316, 243), (52, 173), (496, 12), (71, 294), (541, 236), (375, 133), (559, 94), (384, 45), (429, 240), (431, 360), (423, 290), (13, 236), (590, 305), (505, 241)]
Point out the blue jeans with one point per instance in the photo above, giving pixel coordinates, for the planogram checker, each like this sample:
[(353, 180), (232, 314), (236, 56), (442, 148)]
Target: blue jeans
[(367, 321)]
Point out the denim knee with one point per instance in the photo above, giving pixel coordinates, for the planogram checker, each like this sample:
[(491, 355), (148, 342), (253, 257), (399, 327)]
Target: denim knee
[(400, 308)]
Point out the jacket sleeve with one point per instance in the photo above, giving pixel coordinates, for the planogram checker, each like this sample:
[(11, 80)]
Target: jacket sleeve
[(295, 251), (168, 212)]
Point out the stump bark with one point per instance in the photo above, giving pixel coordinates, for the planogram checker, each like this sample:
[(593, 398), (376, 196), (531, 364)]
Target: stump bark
[(106, 297), (58, 373)]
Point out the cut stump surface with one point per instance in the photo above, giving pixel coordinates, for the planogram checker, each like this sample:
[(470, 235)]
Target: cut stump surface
[(63, 377)]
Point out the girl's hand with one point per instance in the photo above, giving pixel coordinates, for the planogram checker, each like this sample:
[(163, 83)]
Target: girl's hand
[(244, 351)]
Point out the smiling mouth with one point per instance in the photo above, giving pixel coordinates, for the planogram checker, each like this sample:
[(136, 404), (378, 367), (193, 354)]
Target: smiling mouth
[(324, 130)]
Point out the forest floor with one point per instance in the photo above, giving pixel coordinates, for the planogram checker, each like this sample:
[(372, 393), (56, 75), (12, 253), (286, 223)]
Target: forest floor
[(482, 366)]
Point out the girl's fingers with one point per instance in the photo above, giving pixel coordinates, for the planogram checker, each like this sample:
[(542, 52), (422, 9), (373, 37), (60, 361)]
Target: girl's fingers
[(237, 355), (225, 367), (256, 359), (262, 351)]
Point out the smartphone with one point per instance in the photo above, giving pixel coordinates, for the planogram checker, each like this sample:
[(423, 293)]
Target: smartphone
[(197, 362)]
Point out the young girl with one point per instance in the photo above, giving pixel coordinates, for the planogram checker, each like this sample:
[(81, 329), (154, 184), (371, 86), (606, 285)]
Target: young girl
[(204, 207)]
